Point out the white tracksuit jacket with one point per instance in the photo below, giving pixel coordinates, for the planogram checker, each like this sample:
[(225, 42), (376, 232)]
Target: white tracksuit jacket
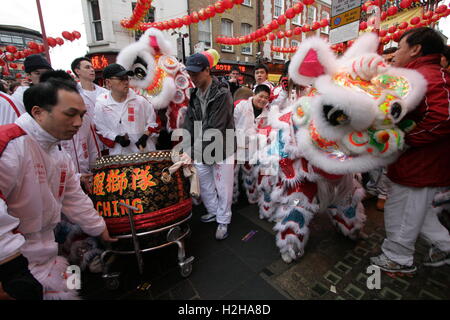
[(38, 182), (85, 147), (10, 109), (134, 117)]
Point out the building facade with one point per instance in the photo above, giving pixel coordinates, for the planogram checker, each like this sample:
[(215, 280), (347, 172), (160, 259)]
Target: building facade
[(18, 37)]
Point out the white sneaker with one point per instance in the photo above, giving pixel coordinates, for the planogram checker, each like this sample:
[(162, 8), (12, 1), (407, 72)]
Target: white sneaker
[(222, 231), (209, 217)]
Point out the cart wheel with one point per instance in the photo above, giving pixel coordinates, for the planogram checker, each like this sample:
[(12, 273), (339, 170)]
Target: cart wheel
[(112, 284), (186, 270)]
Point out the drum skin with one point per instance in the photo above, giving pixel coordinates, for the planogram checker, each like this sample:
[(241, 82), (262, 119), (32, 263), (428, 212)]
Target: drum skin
[(135, 180)]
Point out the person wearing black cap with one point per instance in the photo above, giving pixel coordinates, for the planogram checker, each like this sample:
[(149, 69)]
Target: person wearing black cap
[(211, 105), (124, 121), (35, 65)]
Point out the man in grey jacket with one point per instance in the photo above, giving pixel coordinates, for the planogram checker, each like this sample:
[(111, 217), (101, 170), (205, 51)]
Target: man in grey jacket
[(210, 122)]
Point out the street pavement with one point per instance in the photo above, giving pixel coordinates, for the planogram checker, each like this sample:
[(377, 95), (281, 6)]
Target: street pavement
[(250, 268)]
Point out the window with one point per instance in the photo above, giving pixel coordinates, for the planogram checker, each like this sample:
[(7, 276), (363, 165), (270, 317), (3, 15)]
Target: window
[(247, 3), (204, 33), (5, 38), (149, 17), (297, 18), (278, 8), (295, 43), (17, 40), (227, 31), (311, 15), (96, 20), (246, 29), (278, 43), (325, 15)]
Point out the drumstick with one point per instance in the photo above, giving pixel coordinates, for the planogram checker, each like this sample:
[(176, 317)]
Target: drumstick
[(128, 206)]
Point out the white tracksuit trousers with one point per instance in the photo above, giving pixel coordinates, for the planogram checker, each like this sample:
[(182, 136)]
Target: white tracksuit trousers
[(216, 188), (407, 214)]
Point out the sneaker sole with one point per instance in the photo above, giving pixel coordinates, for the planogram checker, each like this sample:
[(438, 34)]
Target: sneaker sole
[(436, 264), (208, 220), (396, 271)]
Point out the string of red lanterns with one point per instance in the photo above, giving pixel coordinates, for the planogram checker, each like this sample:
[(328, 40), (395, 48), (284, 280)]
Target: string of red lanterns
[(140, 10), (267, 29), (12, 53), (284, 50)]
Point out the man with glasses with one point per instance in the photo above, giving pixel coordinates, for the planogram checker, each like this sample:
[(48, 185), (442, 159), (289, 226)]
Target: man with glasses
[(35, 65), (124, 120)]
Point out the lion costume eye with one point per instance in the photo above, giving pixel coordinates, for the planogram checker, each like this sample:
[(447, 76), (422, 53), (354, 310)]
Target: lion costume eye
[(139, 71), (396, 110), (334, 115)]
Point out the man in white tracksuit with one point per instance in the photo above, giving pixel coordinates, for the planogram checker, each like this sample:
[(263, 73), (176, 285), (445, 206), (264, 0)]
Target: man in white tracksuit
[(10, 109), (125, 122), (38, 182)]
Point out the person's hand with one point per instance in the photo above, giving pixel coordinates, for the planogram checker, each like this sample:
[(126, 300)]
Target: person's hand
[(106, 237), (124, 141), (284, 83), (25, 82), (86, 181), (142, 142)]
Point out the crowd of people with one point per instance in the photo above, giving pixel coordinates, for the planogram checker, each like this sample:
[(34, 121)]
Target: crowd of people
[(54, 127)]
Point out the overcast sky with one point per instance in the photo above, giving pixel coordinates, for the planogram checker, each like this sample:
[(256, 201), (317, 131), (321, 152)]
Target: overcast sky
[(66, 15)]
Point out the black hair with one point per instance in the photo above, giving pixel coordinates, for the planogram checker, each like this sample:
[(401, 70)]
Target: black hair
[(430, 41), (234, 68), (76, 64), (446, 53), (57, 74), (262, 66), (45, 94), (2, 88), (262, 87), (390, 50), (286, 68)]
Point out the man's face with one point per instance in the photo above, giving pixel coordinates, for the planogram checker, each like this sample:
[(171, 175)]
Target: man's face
[(260, 75), (234, 74), (119, 85), (389, 57), (85, 71), (261, 99), (36, 74), (199, 79), (64, 120), (405, 54)]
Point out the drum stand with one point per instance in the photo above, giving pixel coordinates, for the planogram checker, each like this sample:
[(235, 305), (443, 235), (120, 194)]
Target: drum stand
[(174, 235)]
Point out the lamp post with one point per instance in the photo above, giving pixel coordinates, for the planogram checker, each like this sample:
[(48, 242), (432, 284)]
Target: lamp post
[(180, 42)]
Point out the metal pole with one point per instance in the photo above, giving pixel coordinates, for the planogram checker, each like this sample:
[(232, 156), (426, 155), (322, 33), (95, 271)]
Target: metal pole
[(41, 20)]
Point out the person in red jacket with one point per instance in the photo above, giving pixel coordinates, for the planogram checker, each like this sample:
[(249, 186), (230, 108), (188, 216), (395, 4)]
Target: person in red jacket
[(423, 169)]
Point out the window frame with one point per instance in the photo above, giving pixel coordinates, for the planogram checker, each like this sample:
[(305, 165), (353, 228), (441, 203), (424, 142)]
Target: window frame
[(207, 21), (97, 28), (247, 45), (274, 8), (223, 47)]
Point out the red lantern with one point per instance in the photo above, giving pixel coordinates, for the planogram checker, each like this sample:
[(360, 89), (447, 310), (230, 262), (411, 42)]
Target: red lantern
[(392, 10), (18, 75), (13, 65), (382, 33), (297, 31), (396, 36), (76, 34), (315, 25), (290, 13), (59, 41), (32, 45), (274, 25), (211, 11), (282, 20), (41, 48), (392, 29), (11, 49), (404, 4), (415, 21), (2, 62), (298, 7), (324, 23), (51, 42), (289, 33), (187, 20), (441, 9), (238, 1), (272, 36), (403, 25), (280, 35), (194, 17), (363, 25), (427, 15), (383, 15), (219, 6), (67, 35), (306, 28), (308, 2), (6, 73), (10, 57), (228, 4)]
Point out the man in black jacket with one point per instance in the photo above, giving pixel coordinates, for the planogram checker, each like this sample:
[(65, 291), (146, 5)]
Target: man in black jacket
[(210, 123)]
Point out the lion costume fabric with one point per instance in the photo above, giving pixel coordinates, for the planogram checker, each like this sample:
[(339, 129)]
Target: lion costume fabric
[(351, 121)]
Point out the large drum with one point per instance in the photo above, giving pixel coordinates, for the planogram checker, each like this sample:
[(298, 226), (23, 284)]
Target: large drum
[(135, 180)]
